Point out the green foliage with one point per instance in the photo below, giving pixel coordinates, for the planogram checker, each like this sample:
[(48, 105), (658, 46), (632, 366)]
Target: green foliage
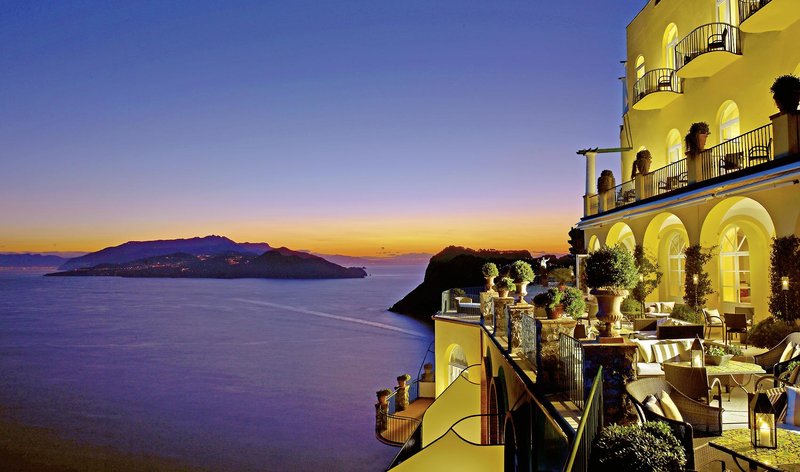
[(522, 271), (563, 275), (785, 262), (552, 297), (490, 270), (712, 350), (637, 448), (789, 368), (541, 299), (630, 306), (506, 283), (687, 313), (611, 268), (405, 377), (650, 274), (383, 392), (696, 294), (573, 302), (769, 332)]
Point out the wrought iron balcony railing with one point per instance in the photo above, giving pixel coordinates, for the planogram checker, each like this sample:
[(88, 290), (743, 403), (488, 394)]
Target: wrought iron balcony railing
[(656, 80), (712, 37), (748, 8)]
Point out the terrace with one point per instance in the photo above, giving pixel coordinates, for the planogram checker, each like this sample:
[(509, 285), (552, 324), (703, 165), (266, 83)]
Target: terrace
[(707, 49), (760, 16)]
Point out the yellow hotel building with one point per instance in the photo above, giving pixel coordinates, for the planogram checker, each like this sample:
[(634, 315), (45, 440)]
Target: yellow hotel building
[(709, 61), (494, 402)]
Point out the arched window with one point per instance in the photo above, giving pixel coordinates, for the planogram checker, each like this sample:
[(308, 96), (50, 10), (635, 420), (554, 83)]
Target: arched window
[(457, 363), (724, 12), (676, 262), (639, 67), (734, 260), (674, 146), (670, 41), (728, 122)]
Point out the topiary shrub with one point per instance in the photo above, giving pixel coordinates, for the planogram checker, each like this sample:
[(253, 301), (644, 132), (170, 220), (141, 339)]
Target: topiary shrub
[(650, 275), (573, 302), (521, 271), (786, 93), (769, 332), (611, 268), (506, 283), (630, 306), (490, 270), (563, 275), (785, 262), (637, 448), (696, 294), (687, 313)]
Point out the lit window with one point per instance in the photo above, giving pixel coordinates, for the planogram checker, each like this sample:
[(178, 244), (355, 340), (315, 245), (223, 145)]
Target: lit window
[(639, 67), (724, 11), (676, 265), (457, 364), (734, 259), (674, 146), (670, 41), (729, 122)]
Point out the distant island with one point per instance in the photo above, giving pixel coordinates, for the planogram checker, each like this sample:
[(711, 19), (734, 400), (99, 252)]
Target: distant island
[(30, 260), (207, 257)]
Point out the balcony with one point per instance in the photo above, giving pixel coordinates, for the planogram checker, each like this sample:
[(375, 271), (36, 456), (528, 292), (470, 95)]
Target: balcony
[(707, 50), (759, 16), (734, 158), (656, 89)]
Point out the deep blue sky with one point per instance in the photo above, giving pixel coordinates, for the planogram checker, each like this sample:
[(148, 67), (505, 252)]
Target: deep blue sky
[(345, 126)]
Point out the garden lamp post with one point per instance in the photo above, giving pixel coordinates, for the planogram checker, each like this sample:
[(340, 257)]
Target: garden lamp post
[(696, 282), (641, 283)]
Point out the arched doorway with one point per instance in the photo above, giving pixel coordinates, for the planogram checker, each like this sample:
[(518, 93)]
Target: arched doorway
[(622, 234), (456, 363), (510, 449)]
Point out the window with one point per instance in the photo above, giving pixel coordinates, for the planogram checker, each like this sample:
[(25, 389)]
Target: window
[(674, 146), (729, 122), (457, 363), (724, 12), (734, 258), (670, 41), (676, 262), (639, 67)]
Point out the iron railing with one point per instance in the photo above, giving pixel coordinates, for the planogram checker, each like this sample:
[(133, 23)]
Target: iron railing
[(707, 38), (656, 80), (571, 379), (450, 308), (742, 152), (748, 8), (528, 339), (393, 429), (624, 194), (591, 204), (666, 179), (590, 425)]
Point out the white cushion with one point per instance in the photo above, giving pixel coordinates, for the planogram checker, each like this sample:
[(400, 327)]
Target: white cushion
[(796, 351), (667, 307), (669, 407), (656, 305), (713, 312), (663, 352), (787, 352), (649, 369), (646, 349)]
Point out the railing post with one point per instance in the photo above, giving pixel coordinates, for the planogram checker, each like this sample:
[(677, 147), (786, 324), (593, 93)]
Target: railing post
[(786, 134), (381, 414), (694, 167), (401, 397), (604, 200), (638, 185)]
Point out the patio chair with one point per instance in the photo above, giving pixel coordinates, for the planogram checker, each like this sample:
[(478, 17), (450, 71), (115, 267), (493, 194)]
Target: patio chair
[(665, 81), (718, 41), (713, 320), (759, 154), (770, 360), (705, 420), (730, 162), (735, 323), (693, 382)]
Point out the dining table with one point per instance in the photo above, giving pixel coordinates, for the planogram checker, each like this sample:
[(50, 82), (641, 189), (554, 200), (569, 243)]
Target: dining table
[(736, 442)]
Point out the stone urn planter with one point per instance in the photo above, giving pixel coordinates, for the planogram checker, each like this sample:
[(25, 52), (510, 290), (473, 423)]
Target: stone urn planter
[(642, 163), (696, 139), (606, 181), (522, 290), (489, 283), (503, 293), (383, 395), (608, 310)]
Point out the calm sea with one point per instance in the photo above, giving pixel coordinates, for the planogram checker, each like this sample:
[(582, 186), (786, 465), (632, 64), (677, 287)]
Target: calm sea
[(224, 374)]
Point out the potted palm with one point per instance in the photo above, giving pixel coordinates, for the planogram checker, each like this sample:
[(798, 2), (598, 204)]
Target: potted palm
[(489, 271), (523, 275), (504, 285), (610, 272)]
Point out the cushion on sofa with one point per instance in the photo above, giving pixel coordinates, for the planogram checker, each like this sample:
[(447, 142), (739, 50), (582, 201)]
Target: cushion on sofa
[(651, 403), (792, 406), (669, 407), (649, 369), (664, 352), (787, 352), (667, 307)]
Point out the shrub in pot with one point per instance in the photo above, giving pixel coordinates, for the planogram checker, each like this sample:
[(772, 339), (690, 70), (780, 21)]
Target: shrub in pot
[(786, 93), (563, 275), (574, 304), (631, 307), (642, 163), (696, 138), (489, 271), (610, 272), (643, 447), (504, 285), (523, 275)]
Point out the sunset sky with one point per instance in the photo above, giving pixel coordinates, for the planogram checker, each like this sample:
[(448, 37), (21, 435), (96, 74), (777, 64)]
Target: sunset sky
[(352, 127)]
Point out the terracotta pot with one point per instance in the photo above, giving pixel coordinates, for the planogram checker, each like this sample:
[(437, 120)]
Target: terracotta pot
[(608, 304), (555, 313), (701, 142), (489, 283), (643, 166), (521, 292), (606, 181), (503, 293)]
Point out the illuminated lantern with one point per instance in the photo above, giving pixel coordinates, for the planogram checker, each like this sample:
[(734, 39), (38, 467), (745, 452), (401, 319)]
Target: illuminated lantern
[(785, 283), (695, 279), (763, 427), (697, 354)]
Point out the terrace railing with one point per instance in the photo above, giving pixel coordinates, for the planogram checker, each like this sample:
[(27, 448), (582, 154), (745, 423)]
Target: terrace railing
[(591, 204), (666, 179), (748, 8), (528, 339), (393, 429), (588, 428), (742, 152), (656, 80), (707, 38), (452, 308), (571, 357)]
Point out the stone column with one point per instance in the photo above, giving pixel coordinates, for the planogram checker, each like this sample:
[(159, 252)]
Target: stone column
[(591, 173), (516, 312), (487, 298), (619, 368), (786, 134), (500, 304), (549, 354), (381, 414), (401, 397), (638, 184)]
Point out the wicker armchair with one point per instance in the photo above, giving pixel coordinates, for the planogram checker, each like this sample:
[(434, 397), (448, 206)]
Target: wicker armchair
[(769, 360), (693, 382), (706, 420)]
